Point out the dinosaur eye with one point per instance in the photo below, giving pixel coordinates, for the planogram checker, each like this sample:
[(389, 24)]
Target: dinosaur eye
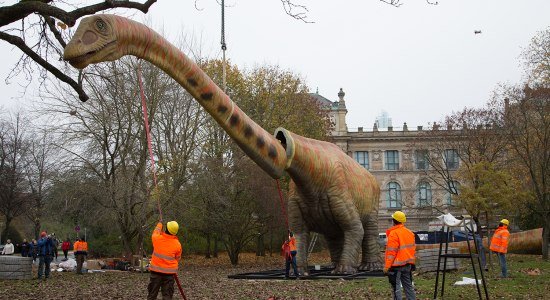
[(101, 25)]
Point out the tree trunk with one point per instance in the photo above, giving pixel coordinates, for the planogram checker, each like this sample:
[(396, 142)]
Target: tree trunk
[(207, 255), (260, 249), (234, 257), (6, 230), (36, 228), (271, 243), (215, 245), (545, 237)]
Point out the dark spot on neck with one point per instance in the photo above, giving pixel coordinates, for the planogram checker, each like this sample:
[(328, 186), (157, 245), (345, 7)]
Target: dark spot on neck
[(207, 96), (248, 131), (234, 120), (222, 108), (272, 152), (260, 142), (192, 82)]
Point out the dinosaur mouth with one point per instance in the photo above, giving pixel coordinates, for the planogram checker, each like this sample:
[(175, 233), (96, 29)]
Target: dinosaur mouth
[(83, 60)]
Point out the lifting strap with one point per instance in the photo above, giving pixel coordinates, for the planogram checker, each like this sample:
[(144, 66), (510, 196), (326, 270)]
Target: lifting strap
[(148, 135), (283, 210), (152, 157)]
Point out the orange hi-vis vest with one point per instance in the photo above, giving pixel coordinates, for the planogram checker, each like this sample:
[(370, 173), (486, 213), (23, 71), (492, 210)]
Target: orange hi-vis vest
[(292, 244), (401, 248), (80, 247), (499, 242), (166, 252)]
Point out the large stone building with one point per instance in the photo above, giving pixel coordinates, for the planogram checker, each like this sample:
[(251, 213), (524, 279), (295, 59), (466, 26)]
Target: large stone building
[(391, 157)]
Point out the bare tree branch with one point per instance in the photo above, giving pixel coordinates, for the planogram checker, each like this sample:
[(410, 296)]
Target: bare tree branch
[(297, 11), (20, 43), (20, 10)]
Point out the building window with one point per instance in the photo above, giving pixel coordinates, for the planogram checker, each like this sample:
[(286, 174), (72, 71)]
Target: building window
[(362, 157), (424, 194), (451, 159), (454, 189), (392, 159), (421, 159), (394, 195)]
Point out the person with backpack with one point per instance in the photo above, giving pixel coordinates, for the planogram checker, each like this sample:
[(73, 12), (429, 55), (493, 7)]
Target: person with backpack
[(45, 255), (289, 252)]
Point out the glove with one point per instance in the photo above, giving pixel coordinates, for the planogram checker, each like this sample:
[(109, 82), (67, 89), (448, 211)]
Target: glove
[(386, 271)]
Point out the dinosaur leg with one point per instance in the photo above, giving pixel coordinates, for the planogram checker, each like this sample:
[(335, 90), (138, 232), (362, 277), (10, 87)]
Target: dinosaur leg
[(345, 214), (371, 258), (335, 245), (301, 232)]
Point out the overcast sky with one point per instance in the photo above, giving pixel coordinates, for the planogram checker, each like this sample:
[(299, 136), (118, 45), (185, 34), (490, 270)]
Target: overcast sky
[(418, 62)]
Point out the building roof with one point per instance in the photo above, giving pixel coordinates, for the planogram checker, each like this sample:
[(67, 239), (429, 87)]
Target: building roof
[(323, 101)]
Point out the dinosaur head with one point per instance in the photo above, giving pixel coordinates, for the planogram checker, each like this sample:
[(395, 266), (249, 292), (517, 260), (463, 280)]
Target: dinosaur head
[(95, 40)]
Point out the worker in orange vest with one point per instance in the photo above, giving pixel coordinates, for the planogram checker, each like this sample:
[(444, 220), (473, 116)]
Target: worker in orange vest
[(499, 245), (400, 257), (289, 251), (80, 249), (165, 260)]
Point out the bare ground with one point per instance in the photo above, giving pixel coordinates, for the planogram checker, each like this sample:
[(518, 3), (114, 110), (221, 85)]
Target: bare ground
[(207, 279)]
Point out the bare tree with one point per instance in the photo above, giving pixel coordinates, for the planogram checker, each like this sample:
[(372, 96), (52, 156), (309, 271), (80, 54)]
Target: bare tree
[(453, 154), (14, 196), (40, 171), (526, 115), (36, 28)]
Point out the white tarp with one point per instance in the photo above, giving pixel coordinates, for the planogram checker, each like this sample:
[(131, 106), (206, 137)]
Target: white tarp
[(450, 220), (467, 281), (68, 265)]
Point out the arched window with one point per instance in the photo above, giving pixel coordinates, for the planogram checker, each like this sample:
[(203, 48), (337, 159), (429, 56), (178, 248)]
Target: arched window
[(454, 189), (393, 196), (424, 194)]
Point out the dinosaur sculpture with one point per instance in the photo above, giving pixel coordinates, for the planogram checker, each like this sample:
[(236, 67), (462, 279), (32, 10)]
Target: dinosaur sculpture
[(330, 193)]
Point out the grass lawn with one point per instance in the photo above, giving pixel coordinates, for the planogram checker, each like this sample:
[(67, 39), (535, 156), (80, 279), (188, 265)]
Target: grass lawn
[(207, 279)]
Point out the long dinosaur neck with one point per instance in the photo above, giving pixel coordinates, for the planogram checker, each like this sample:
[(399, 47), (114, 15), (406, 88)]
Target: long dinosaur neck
[(139, 40)]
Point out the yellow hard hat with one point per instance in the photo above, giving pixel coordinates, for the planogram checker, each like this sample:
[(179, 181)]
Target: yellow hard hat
[(505, 222), (399, 216), (172, 227)]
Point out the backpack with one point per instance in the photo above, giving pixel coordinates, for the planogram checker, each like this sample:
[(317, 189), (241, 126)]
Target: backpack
[(285, 250)]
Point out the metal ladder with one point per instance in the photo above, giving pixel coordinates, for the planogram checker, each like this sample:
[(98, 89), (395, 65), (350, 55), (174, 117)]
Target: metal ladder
[(312, 243), (469, 229)]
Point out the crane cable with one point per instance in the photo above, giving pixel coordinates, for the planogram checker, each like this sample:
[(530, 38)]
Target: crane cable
[(224, 47), (152, 158)]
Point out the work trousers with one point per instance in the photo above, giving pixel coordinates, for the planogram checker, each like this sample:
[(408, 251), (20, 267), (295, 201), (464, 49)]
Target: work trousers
[(163, 282), (398, 276), (502, 261), (44, 265), (291, 260), (80, 258)]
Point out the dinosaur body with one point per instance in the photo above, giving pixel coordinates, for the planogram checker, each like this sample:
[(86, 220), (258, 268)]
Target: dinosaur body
[(330, 193)]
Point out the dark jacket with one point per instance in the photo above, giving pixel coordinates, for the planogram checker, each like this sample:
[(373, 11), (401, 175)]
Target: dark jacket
[(25, 248), (45, 246)]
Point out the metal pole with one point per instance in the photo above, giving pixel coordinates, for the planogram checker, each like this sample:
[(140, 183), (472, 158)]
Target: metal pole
[(224, 47)]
